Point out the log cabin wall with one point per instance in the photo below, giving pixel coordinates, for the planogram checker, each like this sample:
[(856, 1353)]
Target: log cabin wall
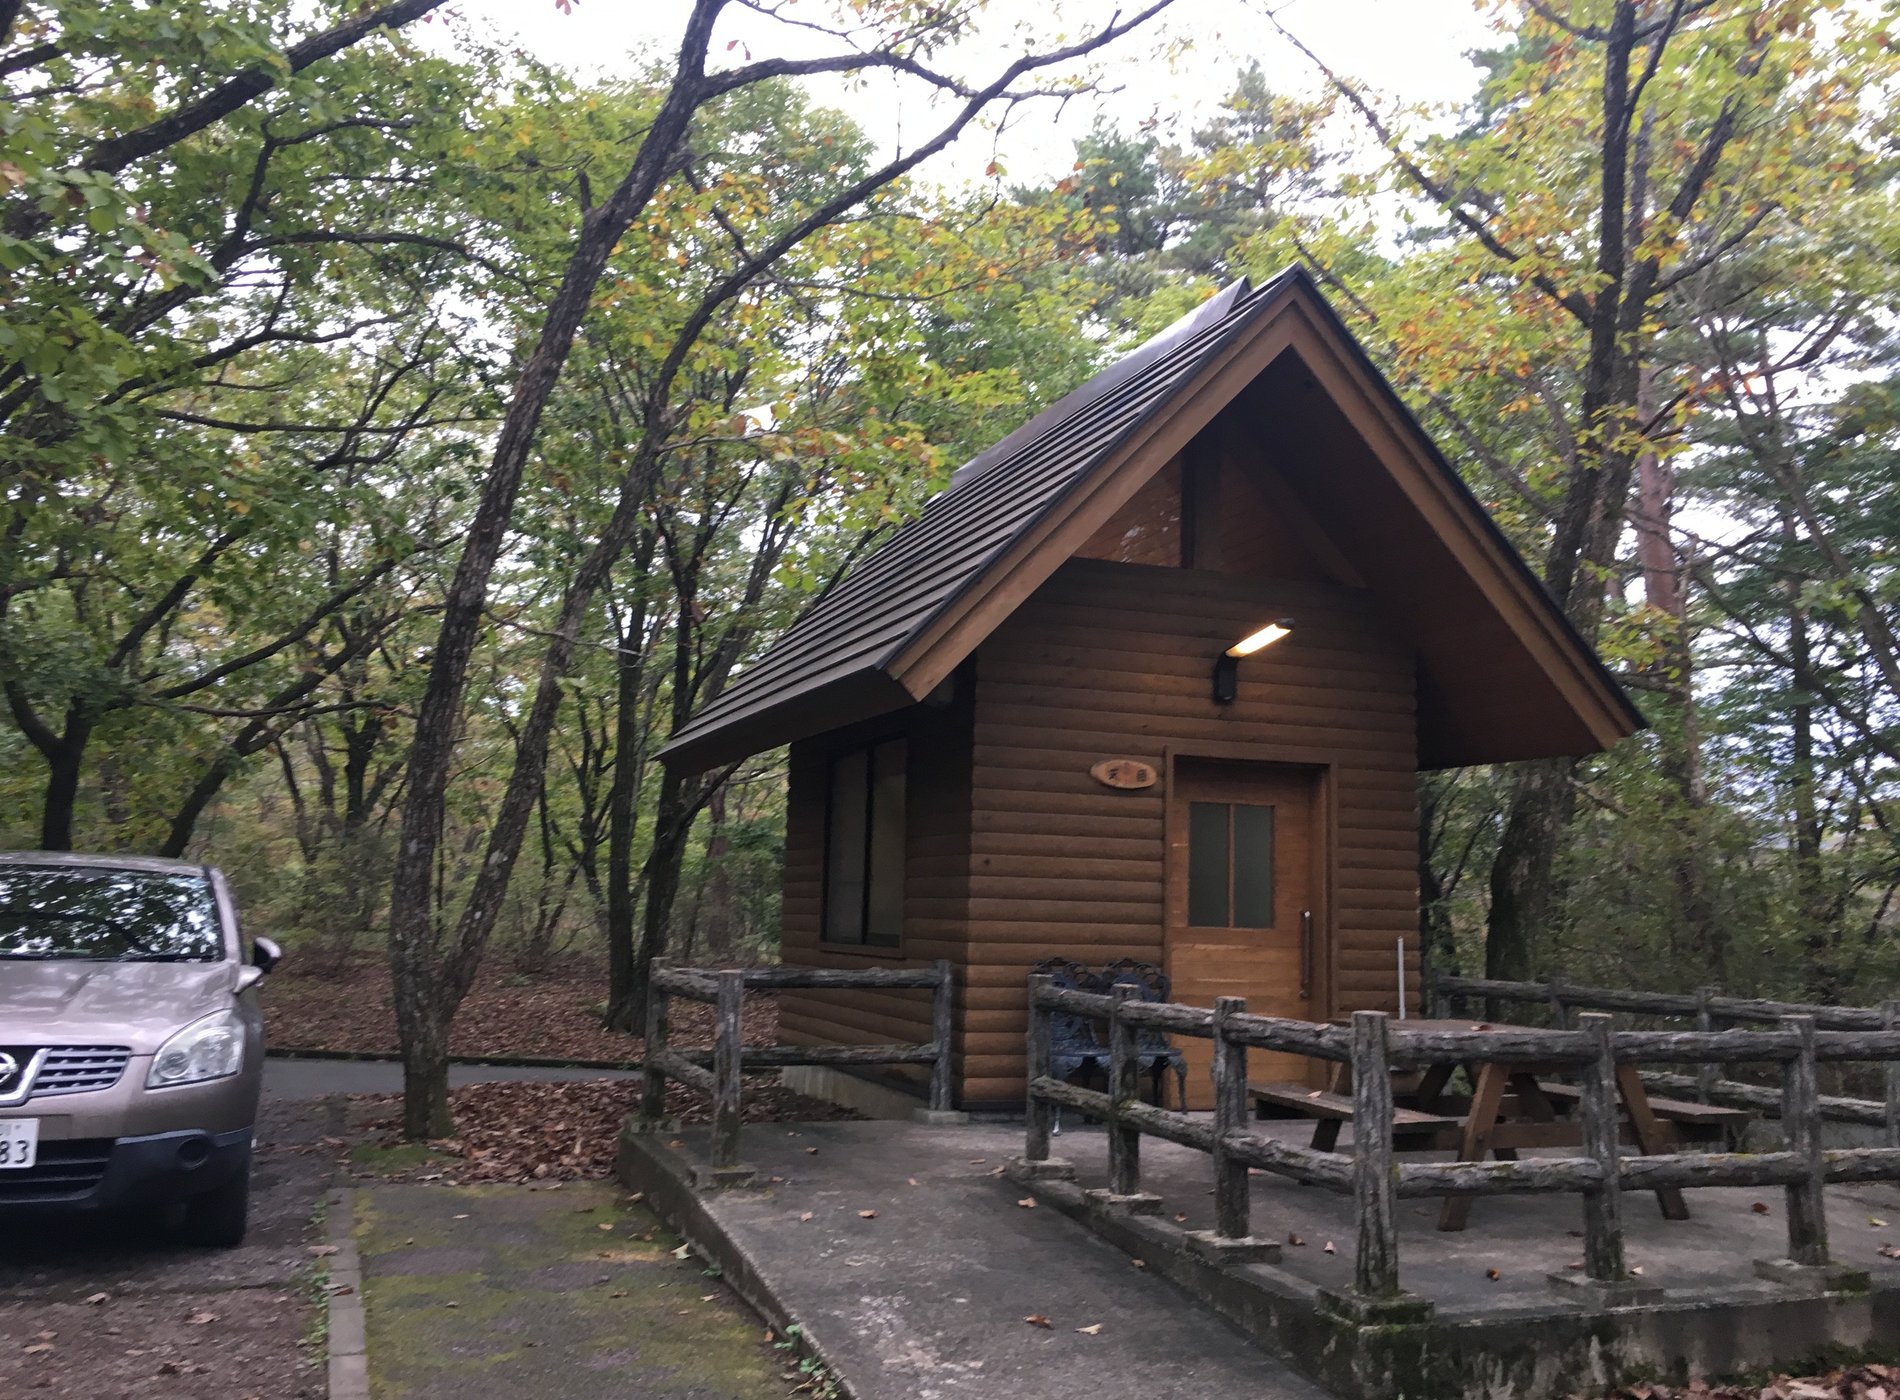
[(936, 878), (1113, 660)]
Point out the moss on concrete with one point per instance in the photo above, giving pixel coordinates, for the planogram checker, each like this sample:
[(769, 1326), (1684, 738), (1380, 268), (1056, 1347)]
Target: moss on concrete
[(458, 1301)]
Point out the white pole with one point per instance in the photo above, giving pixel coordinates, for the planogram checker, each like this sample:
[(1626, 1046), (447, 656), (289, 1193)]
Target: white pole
[(1401, 979)]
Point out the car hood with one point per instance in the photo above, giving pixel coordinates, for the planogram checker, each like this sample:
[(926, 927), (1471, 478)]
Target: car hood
[(137, 1004)]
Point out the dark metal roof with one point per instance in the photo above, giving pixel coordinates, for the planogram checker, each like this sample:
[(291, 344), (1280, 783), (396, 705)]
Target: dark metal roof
[(836, 664), (879, 607)]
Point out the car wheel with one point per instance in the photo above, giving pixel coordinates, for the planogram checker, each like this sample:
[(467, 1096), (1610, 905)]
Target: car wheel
[(217, 1218)]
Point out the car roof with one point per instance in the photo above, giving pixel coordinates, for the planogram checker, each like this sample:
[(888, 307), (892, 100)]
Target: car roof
[(150, 864)]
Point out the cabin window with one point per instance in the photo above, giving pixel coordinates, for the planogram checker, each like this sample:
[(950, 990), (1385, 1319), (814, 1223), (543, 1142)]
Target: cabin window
[(1230, 865), (864, 846)]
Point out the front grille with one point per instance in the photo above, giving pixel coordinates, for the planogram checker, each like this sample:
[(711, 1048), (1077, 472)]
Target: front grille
[(77, 1069), (62, 1171)]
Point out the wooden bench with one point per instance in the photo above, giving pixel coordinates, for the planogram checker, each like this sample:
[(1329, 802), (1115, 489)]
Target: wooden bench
[(1333, 1109), (1694, 1122)]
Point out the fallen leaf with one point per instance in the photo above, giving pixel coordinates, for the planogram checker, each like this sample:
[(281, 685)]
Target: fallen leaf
[(867, 1215), (707, 1297), (201, 1319), (451, 1305), (1493, 1275), (1876, 1222), (1180, 1217), (1329, 1248), (682, 1251), (811, 1152), (96, 1299), (1139, 1263), (1760, 1207), (1027, 1203), (805, 1216), (1091, 1330), (35, 1348), (1038, 1320), (1637, 1270), (618, 1293), (458, 1217), (605, 1225), (911, 1179), (1295, 1240)]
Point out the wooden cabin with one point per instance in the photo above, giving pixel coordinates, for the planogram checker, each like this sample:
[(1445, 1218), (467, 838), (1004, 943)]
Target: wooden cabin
[(1019, 727)]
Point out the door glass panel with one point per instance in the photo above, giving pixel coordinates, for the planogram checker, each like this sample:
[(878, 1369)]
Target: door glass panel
[(1253, 866), (1207, 864)]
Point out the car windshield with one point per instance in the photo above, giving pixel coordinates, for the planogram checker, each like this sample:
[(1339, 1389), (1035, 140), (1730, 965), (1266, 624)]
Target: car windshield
[(58, 912)]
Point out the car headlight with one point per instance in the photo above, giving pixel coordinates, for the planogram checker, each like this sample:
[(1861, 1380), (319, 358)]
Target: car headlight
[(209, 1048)]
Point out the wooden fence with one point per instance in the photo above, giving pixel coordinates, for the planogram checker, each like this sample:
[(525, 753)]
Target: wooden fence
[(1375, 1045), (719, 1073), (1711, 1012)]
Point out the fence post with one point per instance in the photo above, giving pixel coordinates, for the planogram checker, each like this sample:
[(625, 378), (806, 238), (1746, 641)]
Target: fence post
[(1559, 1008), (1708, 1072), (1801, 1122), (1890, 1018), (1233, 1214), (1124, 1082), (1603, 1257), (726, 1067), (942, 1015), (1037, 1113), (653, 1078), (1374, 1176)]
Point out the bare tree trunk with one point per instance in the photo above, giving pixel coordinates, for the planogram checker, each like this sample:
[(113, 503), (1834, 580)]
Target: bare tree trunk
[(623, 798), (1523, 882)]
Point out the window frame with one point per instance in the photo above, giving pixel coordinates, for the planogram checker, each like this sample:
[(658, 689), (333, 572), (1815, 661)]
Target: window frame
[(866, 936)]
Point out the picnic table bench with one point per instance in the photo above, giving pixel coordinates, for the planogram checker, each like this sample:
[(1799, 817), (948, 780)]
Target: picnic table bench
[(1511, 1107), (1332, 1109), (1692, 1122)]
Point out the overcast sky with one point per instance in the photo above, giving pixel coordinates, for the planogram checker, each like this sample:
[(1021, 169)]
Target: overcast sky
[(1408, 49)]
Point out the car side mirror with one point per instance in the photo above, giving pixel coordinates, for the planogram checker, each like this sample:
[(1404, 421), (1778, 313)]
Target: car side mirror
[(265, 954)]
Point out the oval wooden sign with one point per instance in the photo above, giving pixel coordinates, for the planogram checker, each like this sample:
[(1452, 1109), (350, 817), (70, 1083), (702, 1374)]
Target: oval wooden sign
[(1128, 773)]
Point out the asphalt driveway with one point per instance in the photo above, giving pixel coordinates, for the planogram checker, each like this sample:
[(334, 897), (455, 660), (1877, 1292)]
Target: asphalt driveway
[(99, 1309)]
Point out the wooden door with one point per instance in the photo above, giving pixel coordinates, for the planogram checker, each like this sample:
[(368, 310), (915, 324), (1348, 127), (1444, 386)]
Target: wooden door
[(1244, 856)]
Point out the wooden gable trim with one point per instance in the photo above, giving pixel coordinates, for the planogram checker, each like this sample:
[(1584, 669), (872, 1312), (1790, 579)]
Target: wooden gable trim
[(1456, 519), (970, 617), (1291, 322)]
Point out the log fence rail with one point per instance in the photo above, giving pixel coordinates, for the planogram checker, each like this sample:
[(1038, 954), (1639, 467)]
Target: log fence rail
[(1710, 1011), (1374, 1045), (719, 1073)]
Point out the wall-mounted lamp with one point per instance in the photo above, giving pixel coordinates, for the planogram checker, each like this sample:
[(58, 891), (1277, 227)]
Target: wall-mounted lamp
[(1227, 664)]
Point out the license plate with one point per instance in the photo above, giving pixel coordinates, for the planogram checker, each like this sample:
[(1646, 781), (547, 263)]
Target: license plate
[(19, 1142)]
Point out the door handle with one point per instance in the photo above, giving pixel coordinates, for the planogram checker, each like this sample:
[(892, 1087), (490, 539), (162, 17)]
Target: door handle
[(1306, 954)]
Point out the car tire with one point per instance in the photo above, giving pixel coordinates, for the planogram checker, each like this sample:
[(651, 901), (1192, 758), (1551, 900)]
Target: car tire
[(217, 1219)]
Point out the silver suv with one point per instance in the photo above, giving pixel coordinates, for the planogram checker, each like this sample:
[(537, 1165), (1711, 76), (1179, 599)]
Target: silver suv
[(131, 1044)]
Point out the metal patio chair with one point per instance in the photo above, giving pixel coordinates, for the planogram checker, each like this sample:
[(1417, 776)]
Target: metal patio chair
[(1156, 1053), (1074, 1046)]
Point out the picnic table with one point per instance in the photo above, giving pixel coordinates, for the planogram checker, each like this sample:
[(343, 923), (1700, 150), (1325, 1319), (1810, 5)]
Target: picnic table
[(1514, 1104)]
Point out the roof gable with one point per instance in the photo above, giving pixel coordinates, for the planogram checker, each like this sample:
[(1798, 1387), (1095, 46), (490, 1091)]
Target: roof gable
[(897, 625)]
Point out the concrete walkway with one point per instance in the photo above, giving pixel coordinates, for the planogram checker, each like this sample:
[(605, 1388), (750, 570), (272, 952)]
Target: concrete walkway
[(912, 1269), (559, 1293), (315, 1079)]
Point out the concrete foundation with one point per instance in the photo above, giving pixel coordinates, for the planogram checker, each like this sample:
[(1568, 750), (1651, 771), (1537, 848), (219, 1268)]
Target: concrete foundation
[(1481, 1315), (864, 1096)]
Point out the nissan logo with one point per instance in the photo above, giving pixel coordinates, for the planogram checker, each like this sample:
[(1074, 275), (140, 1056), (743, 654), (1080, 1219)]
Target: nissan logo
[(9, 1067)]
